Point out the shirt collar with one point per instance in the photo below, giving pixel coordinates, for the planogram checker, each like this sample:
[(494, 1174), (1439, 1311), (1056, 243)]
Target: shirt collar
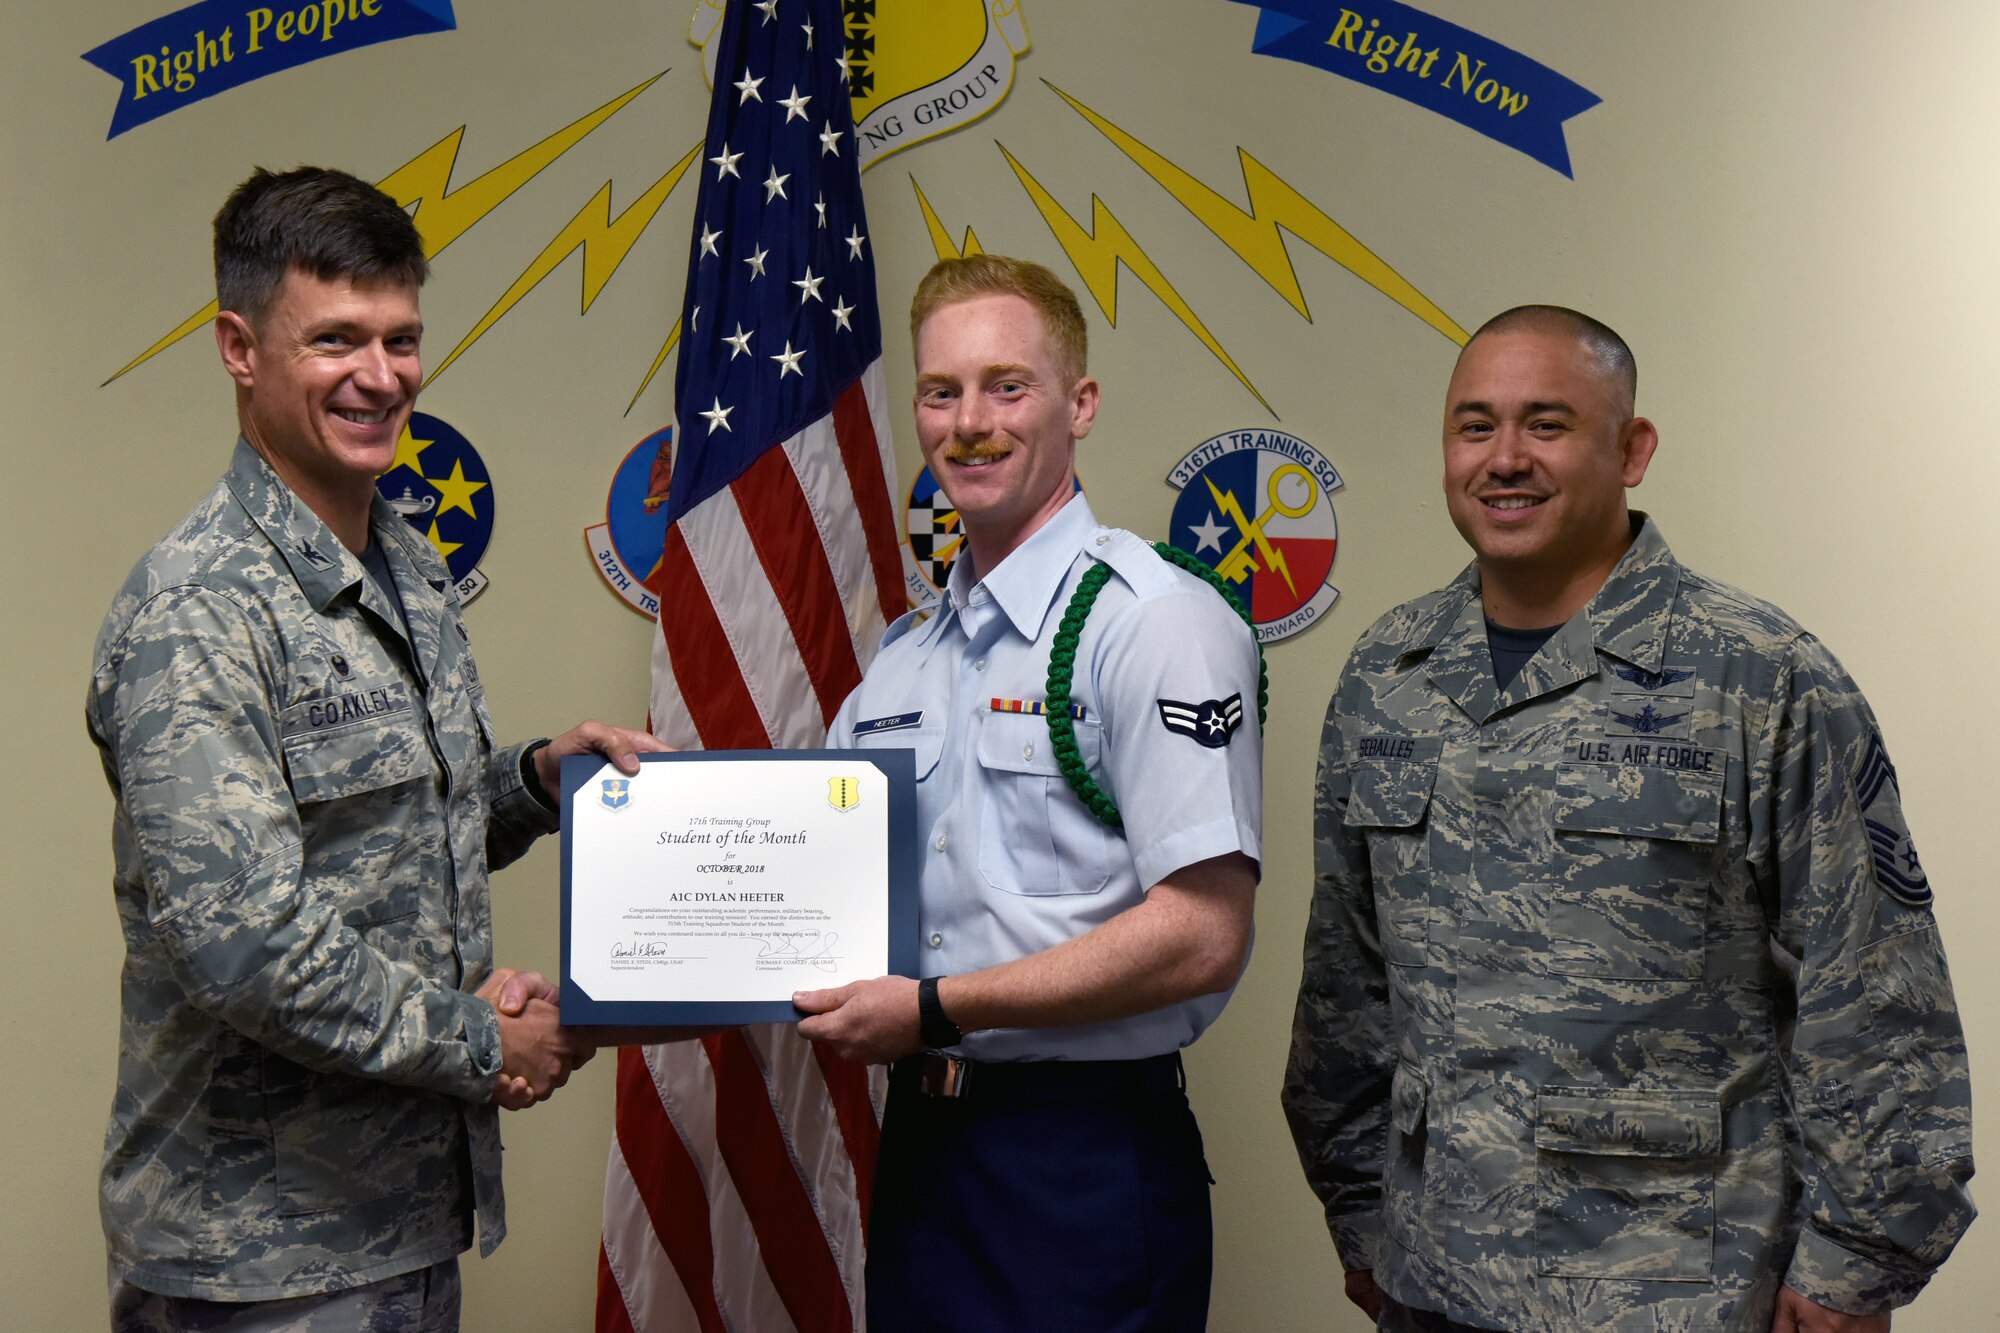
[(321, 566), (1025, 584), (1627, 616)]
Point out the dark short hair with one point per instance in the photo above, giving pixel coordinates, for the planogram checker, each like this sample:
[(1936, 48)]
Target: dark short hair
[(325, 223), (1610, 351), (968, 277)]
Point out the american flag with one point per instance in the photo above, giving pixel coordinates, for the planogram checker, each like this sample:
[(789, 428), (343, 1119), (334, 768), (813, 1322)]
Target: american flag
[(738, 1186)]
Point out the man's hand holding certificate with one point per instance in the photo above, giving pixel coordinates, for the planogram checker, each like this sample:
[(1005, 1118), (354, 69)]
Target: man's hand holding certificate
[(708, 887)]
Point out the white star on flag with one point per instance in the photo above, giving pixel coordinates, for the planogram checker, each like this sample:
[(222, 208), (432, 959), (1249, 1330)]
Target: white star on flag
[(795, 106), (788, 361), (708, 240), (809, 287), (739, 341), (854, 240), (725, 162), (748, 87), (774, 185)]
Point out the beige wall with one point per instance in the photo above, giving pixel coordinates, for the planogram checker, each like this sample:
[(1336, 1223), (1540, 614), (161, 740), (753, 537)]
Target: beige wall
[(1786, 208)]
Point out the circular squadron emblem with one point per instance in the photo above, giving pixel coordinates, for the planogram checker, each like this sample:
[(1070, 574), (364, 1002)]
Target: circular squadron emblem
[(1257, 507), (440, 485), (626, 546), (931, 538)]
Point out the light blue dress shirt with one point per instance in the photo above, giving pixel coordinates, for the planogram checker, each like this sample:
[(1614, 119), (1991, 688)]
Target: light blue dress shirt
[(1013, 862)]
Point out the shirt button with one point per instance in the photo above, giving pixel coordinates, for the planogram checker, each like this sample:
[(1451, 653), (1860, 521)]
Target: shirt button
[(1027, 752), (944, 840), (979, 664), (1103, 538), (937, 940)]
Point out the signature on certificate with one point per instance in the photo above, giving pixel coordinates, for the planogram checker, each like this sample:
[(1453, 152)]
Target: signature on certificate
[(799, 946)]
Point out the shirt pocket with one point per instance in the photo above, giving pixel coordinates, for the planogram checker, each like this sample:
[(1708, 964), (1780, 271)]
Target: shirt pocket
[(1389, 803), (1636, 851), (372, 840), (351, 761), (339, 1142), (925, 745), (1035, 837), (1626, 1183), (1403, 1164)]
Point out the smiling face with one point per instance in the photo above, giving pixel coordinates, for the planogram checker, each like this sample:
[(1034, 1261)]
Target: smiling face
[(997, 421), (1539, 448), (325, 384)]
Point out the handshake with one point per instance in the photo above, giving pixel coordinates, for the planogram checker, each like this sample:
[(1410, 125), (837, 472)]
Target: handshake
[(537, 1053)]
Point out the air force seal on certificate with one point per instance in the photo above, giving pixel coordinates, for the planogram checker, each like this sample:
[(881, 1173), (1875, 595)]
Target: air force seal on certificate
[(843, 794), (615, 793), (1257, 507)]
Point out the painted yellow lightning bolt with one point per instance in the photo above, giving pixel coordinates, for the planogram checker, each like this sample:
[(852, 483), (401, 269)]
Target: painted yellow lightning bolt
[(593, 222), (442, 214), (1254, 235), (940, 238), (1274, 559), (1099, 250)]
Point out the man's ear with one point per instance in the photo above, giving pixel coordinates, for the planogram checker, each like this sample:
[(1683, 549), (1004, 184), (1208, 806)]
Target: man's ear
[(237, 342), (1636, 444), (1082, 407)]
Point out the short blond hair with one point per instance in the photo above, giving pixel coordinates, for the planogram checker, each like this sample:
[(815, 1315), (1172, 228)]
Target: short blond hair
[(962, 279)]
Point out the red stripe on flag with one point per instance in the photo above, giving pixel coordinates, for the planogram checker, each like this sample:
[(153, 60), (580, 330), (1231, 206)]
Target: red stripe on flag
[(753, 1146), (669, 1185), (612, 1316), (861, 452), (854, 1111), (786, 538), (718, 702)]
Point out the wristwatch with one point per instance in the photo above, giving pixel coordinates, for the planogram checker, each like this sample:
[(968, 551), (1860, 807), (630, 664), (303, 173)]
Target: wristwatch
[(933, 1026)]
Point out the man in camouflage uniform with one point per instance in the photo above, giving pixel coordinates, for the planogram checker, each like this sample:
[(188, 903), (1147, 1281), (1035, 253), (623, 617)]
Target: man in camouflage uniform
[(309, 795), (1623, 1006)]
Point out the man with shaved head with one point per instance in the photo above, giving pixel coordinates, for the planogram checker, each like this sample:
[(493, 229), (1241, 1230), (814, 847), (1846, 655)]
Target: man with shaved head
[(1623, 1004)]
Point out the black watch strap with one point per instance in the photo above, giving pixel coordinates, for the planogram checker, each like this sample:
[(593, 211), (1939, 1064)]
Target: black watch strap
[(933, 1027)]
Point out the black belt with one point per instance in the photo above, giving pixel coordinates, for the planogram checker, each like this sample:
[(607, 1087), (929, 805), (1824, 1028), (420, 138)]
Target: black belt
[(948, 1076)]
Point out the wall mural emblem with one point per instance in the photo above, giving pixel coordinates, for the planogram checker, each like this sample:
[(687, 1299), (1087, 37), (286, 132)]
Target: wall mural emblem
[(1257, 507), (626, 546), (932, 538), (915, 68), (1453, 71), (440, 485), (215, 45)]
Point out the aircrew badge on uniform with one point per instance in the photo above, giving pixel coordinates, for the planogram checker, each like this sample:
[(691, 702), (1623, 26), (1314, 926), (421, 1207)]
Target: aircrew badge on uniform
[(1210, 723), (1897, 870), (1256, 506), (440, 485), (615, 793)]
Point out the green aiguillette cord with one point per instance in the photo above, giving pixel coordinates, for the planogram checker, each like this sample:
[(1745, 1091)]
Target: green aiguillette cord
[(1062, 671)]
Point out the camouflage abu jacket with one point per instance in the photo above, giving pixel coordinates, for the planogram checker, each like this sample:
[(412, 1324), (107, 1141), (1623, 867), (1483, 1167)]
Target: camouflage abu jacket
[(1623, 1001), (307, 805)]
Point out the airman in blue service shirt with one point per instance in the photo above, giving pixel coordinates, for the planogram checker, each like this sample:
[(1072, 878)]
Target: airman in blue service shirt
[(1164, 700)]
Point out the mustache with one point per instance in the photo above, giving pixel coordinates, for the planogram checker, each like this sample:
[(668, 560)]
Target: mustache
[(974, 451)]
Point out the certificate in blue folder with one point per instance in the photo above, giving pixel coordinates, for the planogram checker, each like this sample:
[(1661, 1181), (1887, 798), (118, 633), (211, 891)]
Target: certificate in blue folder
[(711, 885)]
